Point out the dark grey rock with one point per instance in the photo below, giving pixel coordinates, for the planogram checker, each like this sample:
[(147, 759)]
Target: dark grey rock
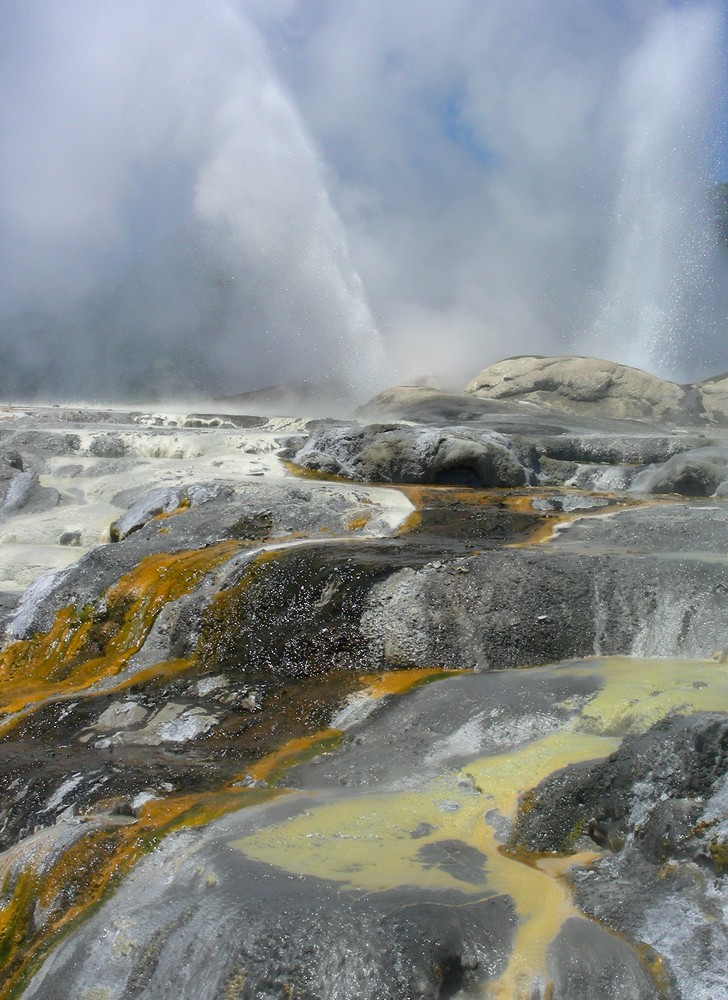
[(396, 454), (70, 538), (164, 501), (676, 759), (677, 527), (13, 459), (44, 443), (535, 606), (588, 963), (670, 827), (463, 861), (21, 491), (699, 473), (108, 446)]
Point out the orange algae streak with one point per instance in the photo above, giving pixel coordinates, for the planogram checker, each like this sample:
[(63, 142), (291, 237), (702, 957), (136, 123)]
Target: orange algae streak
[(401, 681), (64, 889), (88, 644), (544, 532), (270, 767), (184, 505), (301, 472), (552, 520), (81, 876)]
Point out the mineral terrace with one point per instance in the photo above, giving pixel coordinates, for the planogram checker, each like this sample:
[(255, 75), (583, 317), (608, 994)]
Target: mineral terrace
[(427, 703)]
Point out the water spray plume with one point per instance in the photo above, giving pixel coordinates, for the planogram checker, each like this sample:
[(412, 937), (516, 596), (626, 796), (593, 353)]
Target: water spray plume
[(203, 199), (660, 299)]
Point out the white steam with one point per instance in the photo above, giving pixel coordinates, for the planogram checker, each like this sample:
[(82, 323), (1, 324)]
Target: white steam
[(660, 299), (209, 195), (165, 221)]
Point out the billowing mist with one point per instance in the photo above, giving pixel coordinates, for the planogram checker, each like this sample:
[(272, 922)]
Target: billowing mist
[(206, 196)]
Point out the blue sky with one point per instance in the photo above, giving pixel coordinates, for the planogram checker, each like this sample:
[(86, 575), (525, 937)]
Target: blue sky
[(222, 193)]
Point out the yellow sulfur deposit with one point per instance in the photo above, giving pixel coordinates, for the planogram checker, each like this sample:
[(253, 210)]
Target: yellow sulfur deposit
[(365, 840)]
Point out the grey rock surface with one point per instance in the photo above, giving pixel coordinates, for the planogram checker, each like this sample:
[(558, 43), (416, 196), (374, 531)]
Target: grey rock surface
[(221, 925), (676, 760), (534, 606), (656, 803), (699, 472), (400, 454), (671, 528), (588, 963), (587, 386), (202, 915)]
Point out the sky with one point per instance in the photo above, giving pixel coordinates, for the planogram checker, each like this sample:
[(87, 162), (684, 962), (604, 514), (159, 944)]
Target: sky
[(208, 196)]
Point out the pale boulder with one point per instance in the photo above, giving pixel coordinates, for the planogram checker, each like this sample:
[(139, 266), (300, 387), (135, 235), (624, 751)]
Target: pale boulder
[(584, 386)]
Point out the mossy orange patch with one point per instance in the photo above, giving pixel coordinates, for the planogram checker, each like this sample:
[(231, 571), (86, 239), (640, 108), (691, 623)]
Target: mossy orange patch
[(300, 472), (83, 873), (401, 681), (357, 523), (96, 641)]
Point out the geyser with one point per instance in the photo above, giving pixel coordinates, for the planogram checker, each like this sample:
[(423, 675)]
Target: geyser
[(663, 288), (166, 223), (211, 197)]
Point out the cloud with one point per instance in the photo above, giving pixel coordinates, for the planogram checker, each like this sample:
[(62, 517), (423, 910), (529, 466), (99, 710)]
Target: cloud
[(207, 196)]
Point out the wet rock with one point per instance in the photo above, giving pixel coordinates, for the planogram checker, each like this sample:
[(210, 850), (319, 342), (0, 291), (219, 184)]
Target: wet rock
[(254, 524), (395, 454), (446, 724), (8, 606), (264, 648), (216, 513), (222, 925), (13, 460), (463, 861), (615, 449), (569, 502), (44, 443), (165, 500), (108, 446), (681, 527), (665, 792), (589, 963), (173, 723), (115, 805), (21, 491), (223, 420), (493, 616), (700, 472), (626, 794), (669, 829)]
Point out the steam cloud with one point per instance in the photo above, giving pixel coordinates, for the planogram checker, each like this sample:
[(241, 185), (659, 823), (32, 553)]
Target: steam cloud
[(208, 195)]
